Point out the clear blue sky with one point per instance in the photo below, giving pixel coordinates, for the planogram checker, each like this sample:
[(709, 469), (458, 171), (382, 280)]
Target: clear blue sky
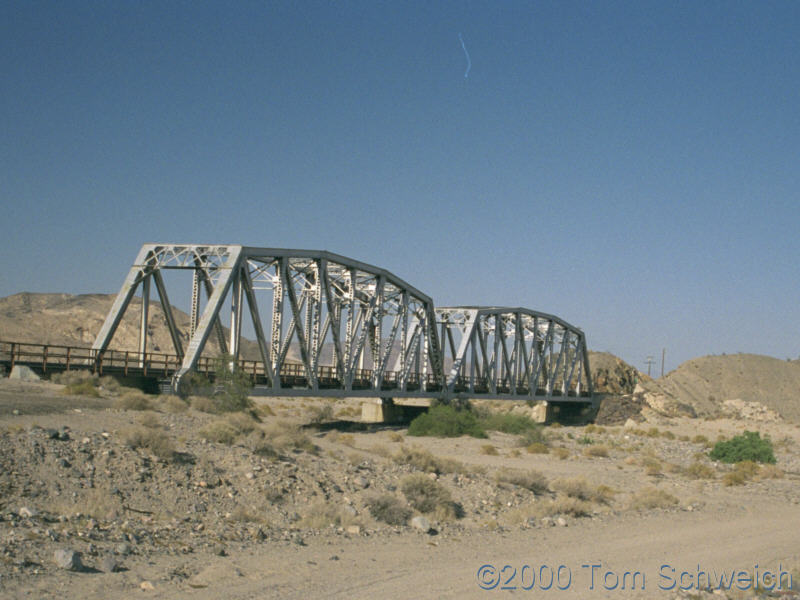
[(629, 166)]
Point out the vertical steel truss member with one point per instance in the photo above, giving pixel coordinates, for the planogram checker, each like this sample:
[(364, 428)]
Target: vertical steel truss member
[(512, 352), (337, 326)]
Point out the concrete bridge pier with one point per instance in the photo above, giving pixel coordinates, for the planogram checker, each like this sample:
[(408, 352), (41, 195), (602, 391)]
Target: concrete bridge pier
[(381, 410)]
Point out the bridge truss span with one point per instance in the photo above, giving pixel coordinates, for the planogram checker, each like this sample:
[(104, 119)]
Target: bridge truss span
[(331, 323), (500, 352), (327, 325)]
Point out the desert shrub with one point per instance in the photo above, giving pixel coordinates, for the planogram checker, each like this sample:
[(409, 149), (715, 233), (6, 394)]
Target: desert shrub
[(388, 509), (652, 466), (742, 473), (347, 439), (173, 404), (668, 435), (425, 461), (289, 438), (700, 439), (560, 453), (582, 490), (157, 442), (264, 410), (537, 448), (444, 420), (652, 497), (108, 384), (85, 387), (202, 404), (196, 384), (228, 429), (530, 480), (242, 514), (698, 470), (133, 400), (323, 514), (229, 391), (532, 436), (653, 432), (769, 472), (563, 505), (429, 496), (150, 420), (749, 446), (488, 449), (71, 377), (219, 431), (585, 440), (320, 414), (596, 451), (396, 436), (511, 423)]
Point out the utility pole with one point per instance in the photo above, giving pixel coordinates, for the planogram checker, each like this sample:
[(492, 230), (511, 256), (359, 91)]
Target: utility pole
[(663, 354), (649, 362)]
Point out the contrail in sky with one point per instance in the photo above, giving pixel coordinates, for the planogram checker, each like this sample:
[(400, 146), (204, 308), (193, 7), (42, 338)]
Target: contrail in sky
[(469, 62)]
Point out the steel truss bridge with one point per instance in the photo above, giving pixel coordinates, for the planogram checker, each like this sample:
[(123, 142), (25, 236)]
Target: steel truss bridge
[(353, 329)]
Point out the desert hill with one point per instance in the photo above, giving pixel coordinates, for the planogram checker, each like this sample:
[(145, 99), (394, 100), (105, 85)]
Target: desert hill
[(708, 381), (64, 319)]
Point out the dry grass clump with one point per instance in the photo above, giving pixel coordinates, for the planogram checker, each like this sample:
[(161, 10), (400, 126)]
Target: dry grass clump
[(263, 410), (429, 496), (71, 377), (563, 505), (82, 388), (202, 404), (388, 509), (150, 420), (742, 473), (596, 450), (489, 450), (769, 472), (560, 453), (348, 411), (425, 461), (700, 439), (534, 435), (320, 414), (229, 429), (396, 436), (133, 400), (537, 448), (173, 404), (582, 490), (652, 497), (530, 480), (592, 428), (322, 514), (156, 441), (280, 438), (652, 466), (698, 470)]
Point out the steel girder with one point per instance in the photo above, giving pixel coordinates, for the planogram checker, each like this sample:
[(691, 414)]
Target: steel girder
[(377, 332), (500, 352)]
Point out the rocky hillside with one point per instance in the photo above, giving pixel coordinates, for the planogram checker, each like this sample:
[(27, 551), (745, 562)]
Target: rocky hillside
[(612, 375)]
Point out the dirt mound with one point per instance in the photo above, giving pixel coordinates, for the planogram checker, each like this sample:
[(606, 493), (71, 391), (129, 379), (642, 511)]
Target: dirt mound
[(707, 382), (63, 319)]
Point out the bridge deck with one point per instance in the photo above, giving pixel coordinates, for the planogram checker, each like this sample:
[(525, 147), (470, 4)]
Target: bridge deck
[(50, 358)]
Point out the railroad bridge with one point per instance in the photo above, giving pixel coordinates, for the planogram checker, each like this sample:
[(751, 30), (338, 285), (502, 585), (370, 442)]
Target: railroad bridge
[(327, 325)]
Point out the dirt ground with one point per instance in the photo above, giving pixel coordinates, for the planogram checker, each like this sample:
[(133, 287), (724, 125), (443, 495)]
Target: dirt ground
[(172, 502)]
